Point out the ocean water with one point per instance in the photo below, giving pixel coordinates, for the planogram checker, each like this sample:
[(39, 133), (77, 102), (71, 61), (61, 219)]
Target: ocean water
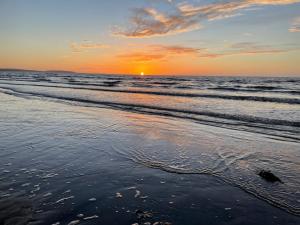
[(262, 105), (229, 128)]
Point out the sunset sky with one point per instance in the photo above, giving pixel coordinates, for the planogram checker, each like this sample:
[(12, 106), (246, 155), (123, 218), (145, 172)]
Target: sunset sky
[(165, 37)]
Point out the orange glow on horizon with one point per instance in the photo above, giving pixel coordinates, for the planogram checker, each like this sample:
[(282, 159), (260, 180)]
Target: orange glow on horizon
[(109, 63)]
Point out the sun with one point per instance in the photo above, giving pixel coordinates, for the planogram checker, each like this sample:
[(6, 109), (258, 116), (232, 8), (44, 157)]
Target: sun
[(142, 73)]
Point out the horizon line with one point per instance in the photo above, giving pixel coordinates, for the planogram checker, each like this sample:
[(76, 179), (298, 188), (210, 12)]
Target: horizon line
[(145, 75)]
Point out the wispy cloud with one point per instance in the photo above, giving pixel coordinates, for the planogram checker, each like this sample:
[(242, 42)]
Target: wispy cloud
[(165, 52), (255, 48), (159, 52), (295, 27), (149, 22), (86, 45), (248, 48)]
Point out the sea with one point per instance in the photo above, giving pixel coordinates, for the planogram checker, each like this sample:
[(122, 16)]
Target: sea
[(225, 128)]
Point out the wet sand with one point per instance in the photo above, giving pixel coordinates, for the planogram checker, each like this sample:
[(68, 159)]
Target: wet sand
[(58, 165)]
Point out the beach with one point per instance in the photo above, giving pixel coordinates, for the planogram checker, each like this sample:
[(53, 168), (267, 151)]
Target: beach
[(88, 149)]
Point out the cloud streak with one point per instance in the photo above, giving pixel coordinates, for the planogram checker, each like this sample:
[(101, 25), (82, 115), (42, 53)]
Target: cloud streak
[(254, 48), (86, 45), (295, 27), (159, 52), (164, 52), (149, 22)]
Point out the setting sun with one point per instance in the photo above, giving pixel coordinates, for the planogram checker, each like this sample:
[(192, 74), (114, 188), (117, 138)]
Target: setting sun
[(142, 74)]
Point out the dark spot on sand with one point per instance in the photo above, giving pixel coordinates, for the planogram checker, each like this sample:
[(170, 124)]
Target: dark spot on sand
[(269, 176)]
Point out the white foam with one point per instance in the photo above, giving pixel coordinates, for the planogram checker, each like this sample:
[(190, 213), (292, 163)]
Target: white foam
[(91, 217), (64, 199), (137, 193), (50, 175), (48, 194), (74, 222)]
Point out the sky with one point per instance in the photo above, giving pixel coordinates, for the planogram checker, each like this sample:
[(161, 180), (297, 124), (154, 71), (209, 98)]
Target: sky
[(156, 37)]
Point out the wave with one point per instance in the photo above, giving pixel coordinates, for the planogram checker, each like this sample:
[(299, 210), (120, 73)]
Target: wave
[(175, 94), (272, 90), (165, 111)]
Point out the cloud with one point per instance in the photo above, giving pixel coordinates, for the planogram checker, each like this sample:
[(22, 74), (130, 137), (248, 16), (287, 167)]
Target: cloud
[(149, 22), (295, 27), (86, 45), (254, 48), (226, 9), (246, 48), (164, 52), (159, 52), (272, 2)]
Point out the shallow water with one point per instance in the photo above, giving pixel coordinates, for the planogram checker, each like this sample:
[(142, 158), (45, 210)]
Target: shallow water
[(56, 140), (267, 105)]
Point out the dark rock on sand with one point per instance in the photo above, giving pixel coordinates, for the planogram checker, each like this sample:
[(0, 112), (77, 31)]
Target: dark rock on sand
[(269, 176)]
